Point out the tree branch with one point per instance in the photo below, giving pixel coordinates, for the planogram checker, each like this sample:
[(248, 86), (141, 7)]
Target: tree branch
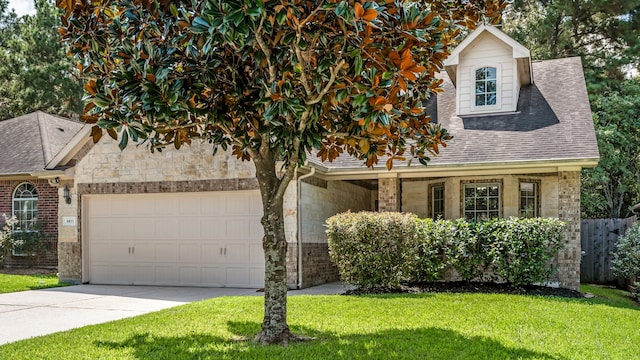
[(265, 49), (327, 87)]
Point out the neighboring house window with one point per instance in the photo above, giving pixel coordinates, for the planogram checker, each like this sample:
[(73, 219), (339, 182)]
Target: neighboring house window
[(486, 86), (529, 207), (481, 201), (25, 209), (437, 200)]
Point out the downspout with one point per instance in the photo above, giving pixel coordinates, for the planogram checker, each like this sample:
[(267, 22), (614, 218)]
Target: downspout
[(299, 216)]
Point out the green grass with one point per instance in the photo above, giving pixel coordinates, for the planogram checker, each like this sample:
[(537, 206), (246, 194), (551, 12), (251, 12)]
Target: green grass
[(412, 326), (13, 283), (609, 295)]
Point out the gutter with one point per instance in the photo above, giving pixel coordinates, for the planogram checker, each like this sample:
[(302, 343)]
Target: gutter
[(299, 218), (451, 168)]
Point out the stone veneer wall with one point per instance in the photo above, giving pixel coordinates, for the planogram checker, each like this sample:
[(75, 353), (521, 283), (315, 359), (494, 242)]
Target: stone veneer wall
[(321, 199), (389, 194), (47, 217), (568, 259)]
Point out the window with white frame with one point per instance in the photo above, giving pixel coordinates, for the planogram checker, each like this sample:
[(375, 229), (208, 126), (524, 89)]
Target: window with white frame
[(529, 199), (481, 201), (437, 200), (25, 210), (486, 86)]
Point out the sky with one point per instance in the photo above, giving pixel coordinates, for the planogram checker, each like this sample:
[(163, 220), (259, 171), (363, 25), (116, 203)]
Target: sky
[(22, 7)]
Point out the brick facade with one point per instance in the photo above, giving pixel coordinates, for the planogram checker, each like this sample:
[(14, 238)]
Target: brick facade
[(47, 218), (568, 259), (389, 194)]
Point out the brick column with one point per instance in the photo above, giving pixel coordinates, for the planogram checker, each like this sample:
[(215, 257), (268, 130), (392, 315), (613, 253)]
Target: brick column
[(389, 194), (568, 258)]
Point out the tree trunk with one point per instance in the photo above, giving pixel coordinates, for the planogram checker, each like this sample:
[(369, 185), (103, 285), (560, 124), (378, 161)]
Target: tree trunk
[(274, 326)]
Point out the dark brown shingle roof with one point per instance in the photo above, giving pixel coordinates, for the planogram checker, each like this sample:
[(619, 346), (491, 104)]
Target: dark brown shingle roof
[(553, 123), (29, 142)]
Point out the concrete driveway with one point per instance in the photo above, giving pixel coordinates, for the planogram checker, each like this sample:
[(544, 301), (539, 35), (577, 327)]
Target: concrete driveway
[(40, 312)]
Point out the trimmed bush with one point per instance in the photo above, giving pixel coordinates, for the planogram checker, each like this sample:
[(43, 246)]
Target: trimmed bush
[(626, 260), (373, 249), (385, 249), (520, 250), (467, 251)]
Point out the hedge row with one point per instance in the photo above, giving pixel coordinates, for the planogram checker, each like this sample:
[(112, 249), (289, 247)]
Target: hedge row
[(385, 249)]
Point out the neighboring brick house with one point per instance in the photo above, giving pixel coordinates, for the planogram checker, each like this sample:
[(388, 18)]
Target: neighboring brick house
[(190, 218), (31, 174)]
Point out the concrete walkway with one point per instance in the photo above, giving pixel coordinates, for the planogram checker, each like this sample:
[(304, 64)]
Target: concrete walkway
[(40, 312)]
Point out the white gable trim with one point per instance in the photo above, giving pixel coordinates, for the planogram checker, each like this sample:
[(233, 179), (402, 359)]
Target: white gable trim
[(518, 52), (73, 146)]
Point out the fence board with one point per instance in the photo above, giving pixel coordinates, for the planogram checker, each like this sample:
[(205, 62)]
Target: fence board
[(598, 238)]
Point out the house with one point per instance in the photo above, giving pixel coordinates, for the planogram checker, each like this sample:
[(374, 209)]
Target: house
[(32, 181), (523, 132)]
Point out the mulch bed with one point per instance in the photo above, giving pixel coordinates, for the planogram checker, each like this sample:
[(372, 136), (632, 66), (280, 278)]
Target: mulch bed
[(28, 271), (470, 287)]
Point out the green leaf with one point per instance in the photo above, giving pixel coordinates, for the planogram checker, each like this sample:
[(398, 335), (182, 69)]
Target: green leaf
[(124, 140)]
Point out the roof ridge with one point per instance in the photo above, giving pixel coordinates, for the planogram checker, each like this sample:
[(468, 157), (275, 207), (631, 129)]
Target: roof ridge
[(44, 136)]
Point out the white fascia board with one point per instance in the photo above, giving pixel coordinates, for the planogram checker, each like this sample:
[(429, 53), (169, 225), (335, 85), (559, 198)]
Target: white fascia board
[(72, 147)]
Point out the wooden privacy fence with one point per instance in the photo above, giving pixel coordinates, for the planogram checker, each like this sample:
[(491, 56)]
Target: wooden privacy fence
[(599, 238)]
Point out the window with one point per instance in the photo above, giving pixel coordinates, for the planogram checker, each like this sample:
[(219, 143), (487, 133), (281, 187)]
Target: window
[(529, 199), (25, 209), (481, 201), (437, 200), (486, 86)]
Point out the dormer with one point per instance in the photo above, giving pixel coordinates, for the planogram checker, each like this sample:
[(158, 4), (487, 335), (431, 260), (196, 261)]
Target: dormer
[(488, 69)]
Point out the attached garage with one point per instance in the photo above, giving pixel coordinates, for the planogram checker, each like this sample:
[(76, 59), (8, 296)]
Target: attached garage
[(179, 239)]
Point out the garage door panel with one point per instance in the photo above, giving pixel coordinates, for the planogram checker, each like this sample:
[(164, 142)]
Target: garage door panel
[(189, 253), (237, 229), (166, 253), (166, 229), (141, 228), (167, 275), (237, 276), (238, 205), (212, 276), (190, 229), (238, 253), (165, 206), (100, 230), (189, 206), (144, 275), (256, 254), (189, 275), (109, 252), (256, 276), (188, 239), (213, 229), (144, 251)]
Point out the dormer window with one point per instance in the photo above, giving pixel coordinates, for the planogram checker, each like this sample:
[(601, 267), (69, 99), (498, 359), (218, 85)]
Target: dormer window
[(486, 87)]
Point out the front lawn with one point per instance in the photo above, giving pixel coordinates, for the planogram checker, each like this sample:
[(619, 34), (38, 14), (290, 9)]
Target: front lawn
[(402, 326), (12, 283)]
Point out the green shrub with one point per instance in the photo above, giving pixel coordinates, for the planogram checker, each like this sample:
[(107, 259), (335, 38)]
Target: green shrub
[(434, 239), (626, 259), (385, 249), (6, 240), (373, 249), (520, 250), (466, 252)]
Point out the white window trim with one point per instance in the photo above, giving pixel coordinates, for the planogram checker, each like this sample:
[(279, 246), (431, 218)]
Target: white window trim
[(536, 197), (13, 210), (486, 108), (432, 188), (474, 184)]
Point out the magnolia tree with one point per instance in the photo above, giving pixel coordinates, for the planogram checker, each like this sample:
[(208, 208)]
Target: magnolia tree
[(272, 81)]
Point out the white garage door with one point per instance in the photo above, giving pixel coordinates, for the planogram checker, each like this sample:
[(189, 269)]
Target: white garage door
[(183, 239)]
